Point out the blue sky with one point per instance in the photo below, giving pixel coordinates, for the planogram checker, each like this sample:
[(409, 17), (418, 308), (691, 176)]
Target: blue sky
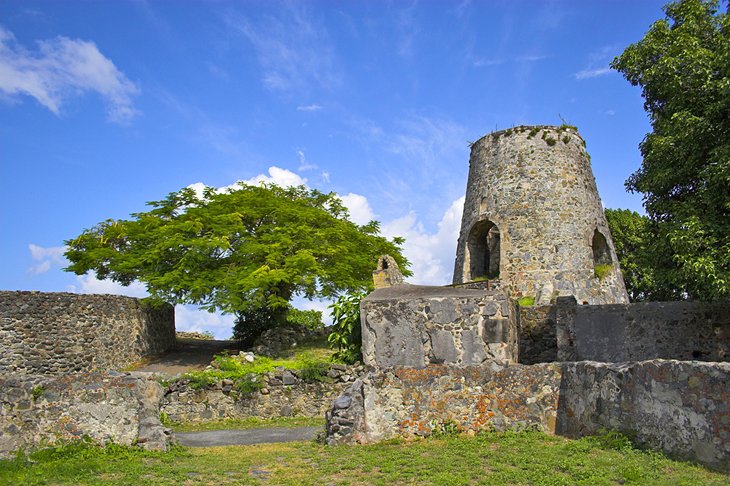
[(107, 105)]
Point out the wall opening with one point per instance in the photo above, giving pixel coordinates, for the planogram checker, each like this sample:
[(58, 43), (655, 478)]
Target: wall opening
[(601, 252), (483, 250)]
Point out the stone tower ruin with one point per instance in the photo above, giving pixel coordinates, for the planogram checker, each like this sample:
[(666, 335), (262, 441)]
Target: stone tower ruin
[(533, 222)]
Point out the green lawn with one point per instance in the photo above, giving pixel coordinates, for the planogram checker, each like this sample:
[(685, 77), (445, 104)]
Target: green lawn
[(492, 458)]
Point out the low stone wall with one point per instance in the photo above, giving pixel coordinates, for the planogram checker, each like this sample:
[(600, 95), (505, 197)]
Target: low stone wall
[(411, 325), (613, 333), (682, 408), (284, 394), (62, 332), (37, 410)]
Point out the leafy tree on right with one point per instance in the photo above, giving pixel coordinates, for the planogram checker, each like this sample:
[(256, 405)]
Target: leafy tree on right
[(683, 68)]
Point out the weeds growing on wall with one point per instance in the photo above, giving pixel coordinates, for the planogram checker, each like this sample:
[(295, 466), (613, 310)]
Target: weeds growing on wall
[(526, 301), (602, 271)]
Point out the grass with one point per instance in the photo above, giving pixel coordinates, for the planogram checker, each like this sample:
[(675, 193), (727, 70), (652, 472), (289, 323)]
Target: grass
[(311, 359), (491, 458)]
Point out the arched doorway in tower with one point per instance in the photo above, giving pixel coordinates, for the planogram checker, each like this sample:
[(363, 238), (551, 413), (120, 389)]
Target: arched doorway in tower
[(483, 251)]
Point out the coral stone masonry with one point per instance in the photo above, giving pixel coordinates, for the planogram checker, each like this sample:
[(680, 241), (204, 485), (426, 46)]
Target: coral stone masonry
[(533, 219), (61, 332)]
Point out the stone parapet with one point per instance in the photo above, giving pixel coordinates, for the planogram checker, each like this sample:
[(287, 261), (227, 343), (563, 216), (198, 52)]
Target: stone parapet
[(411, 325)]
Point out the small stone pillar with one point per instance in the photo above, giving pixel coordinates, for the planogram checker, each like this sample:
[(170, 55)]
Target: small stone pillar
[(387, 274)]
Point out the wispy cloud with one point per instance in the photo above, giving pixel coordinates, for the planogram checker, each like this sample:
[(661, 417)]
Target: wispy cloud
[(592, 73), (597, 64), (408, 29), (517, 59), (312, 107), (62, 68), (45, 258), (487, 62), (293, 49), (303, 164)]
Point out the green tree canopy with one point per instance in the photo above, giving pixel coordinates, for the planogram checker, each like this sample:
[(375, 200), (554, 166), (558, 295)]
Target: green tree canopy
[(238, 251), (683, 67)]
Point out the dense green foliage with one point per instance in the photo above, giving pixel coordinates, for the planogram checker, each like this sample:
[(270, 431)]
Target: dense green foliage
[(489, 458), (683, 67), (346, 334), (634, 244), (247, 250)]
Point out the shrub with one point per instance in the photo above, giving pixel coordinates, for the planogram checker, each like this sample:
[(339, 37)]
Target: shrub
[(312, 369), (346, 337)]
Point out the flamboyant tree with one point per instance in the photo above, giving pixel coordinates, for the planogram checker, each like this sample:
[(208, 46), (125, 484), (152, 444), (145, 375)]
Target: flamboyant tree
[(245, 251)]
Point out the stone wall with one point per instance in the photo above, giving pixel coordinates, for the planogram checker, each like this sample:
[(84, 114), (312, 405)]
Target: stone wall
[(632, 332), (284, 394), (411, 325), (682, 408), (532, 215), (36, 410), (62, 332)]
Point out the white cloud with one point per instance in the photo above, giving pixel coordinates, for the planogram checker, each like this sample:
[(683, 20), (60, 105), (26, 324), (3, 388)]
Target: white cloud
[(325, 176), (190, 318), (431, 255), (45, 258), (487, 62), (609, 112), (359, 208), (312, 107), (280, 177), (62, 68), (592, 73), (89, 284), (277, 175)]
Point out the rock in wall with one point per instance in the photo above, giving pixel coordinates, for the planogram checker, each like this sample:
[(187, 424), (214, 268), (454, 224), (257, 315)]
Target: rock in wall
[(62, 332), (534, 220), (36, 410)]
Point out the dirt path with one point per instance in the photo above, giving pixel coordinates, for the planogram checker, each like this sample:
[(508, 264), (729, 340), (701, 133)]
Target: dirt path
[(191, 354)]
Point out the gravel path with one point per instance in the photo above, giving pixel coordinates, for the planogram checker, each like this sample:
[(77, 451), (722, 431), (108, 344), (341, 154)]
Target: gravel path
[(213, 438)]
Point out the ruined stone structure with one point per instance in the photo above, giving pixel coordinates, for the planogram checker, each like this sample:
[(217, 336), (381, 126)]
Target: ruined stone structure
[(533, 219), (466, 357), (60, 332)]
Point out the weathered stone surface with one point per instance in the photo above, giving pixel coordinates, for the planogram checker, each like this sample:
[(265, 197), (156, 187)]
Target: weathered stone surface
[(625, 332), (409, 325), (680, 407), (533, 216), (62, 332), (107, 407)]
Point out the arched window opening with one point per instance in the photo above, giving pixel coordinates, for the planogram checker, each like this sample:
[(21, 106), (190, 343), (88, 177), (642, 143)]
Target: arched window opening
[(483, 247), (601, 253)]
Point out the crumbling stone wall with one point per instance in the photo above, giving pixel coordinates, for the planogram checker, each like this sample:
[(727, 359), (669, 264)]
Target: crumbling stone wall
[(679, 407), (533, 216), (63, 332), (284, 394), (632, 332), (411, 325), (123, 408)]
